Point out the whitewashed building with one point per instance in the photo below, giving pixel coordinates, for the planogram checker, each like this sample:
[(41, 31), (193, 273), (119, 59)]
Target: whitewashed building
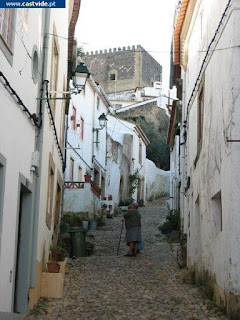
[(126, 160), (206, 57), (86, 150), (33, 55)]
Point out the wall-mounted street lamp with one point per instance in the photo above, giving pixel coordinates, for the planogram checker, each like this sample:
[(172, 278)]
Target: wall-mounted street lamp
[(102, 122), (80, 76)]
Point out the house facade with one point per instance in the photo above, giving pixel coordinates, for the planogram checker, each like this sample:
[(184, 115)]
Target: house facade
[(33, 55), (126, 160), (86, 150), (206, 58)]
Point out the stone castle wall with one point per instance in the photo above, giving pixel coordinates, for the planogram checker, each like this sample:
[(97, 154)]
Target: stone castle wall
[(131, 66)]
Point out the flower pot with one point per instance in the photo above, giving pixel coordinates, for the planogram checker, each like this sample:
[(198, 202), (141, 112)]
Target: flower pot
[(53, 267), (64, 227), (87, 177), (85, 224), (93, 225)]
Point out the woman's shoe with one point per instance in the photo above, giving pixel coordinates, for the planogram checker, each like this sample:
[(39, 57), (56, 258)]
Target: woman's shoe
[(128, 255)]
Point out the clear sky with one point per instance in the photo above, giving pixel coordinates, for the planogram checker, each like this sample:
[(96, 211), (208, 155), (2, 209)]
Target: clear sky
[(105, 24)]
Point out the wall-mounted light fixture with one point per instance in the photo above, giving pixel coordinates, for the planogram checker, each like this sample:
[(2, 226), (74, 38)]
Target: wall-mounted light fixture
[(79, 77), (102, 122)]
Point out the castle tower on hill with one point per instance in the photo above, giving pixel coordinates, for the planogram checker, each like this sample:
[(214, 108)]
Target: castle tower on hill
[(123, 68)]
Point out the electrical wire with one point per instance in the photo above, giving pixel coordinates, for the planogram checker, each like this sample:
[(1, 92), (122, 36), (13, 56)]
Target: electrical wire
[(32, 116), (205, 59), (79, 155), (53, 126)]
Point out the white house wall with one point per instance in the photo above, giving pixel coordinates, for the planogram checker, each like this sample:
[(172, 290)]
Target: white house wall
[(216, 169), (175, 170), (59, 19), (16, 143), (58, 26), (117, 128), (86, 153), (157, 181)]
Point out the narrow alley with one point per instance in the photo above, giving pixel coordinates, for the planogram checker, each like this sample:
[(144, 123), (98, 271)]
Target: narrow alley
[(110, 286)]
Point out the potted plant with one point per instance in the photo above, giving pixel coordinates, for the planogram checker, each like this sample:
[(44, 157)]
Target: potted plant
[(93, 223), (65, 223), (88, 176), (75, 220), (57, 253), (101, 216), (53, 279)]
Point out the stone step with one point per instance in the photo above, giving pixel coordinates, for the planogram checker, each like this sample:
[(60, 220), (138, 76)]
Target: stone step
[(11, 316)]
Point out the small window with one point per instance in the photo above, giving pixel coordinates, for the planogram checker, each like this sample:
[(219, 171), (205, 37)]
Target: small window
[(112, 76), (54, 73), (50, 199), (96, 176), (200, 116), (73, 118), (82, 128), (35, 62), (140, 152), (71, 169), (216, 210), (79, 174), (98, 103)]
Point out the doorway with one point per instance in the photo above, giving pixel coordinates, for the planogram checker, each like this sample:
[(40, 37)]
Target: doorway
[(198, 243), (23, 248)]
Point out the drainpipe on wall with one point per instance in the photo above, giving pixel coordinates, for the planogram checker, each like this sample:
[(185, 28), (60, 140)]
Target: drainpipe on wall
[(39, 144)]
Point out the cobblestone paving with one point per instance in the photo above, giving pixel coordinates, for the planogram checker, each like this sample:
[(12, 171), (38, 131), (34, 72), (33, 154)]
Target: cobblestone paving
[(110, 286)]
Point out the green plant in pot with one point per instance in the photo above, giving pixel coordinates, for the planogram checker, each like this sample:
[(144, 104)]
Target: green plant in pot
[(173, 222), (75, 220), (65, 223), (57, 253)]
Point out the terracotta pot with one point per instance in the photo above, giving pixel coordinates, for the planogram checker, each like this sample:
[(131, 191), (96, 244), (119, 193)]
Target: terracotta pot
[(87, 178), (53, 267)]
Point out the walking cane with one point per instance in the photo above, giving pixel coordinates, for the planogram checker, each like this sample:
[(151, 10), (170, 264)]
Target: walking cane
[(120, 238)]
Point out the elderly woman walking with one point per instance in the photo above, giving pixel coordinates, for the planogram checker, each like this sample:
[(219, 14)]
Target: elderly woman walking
[(133, 229)]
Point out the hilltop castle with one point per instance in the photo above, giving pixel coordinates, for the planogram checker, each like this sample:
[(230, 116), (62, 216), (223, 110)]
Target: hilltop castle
[(123, 68)]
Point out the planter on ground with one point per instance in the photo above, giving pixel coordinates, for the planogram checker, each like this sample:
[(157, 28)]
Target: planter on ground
[(52, 283)]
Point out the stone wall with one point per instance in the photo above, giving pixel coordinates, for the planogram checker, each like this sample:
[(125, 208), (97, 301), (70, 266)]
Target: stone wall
[(157, 181), (132, 67)]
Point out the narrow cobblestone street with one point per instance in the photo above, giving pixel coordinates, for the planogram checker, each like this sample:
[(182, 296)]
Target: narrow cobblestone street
[(110, 286)]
